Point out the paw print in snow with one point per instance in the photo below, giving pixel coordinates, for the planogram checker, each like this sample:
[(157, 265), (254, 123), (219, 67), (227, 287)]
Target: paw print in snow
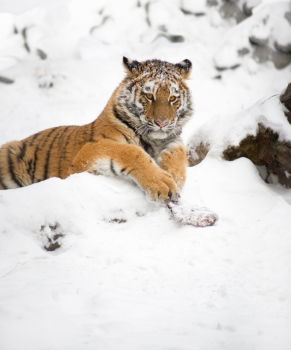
[(51, 236), (46, 79)]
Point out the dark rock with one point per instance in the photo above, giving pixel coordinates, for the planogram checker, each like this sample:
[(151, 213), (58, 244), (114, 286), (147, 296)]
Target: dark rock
[(243, 51), (248, 11), (211, 2), (147, 12), (280, 59), (285, 99), (41, 54), (163, 28), (222, 68), (231, 1), (230, 9), (174, 38), (283, 48), (117, 221), (6, 80), (265, 149), (24, 37), (249, 6), (288, 16), (262, 54), (190, 13), (255, 40)]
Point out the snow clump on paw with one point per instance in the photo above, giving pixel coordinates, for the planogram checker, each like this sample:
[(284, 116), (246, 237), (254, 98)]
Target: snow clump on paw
[(196, 216)]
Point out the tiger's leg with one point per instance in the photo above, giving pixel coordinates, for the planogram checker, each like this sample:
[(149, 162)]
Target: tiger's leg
[(174, 160), (111, 158)]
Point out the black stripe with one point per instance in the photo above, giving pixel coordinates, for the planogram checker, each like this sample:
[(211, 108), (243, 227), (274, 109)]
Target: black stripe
[(123, 170), (125, 137), (107, 137), (48, 155), (21, 154), (112, 167), (2, 184), (119, 117), (46, 166), (11, 169), (130, 171), (61, 149), (92, 132), (1, 181), (130, 86), (183, 114), (37, 149), (34, 137), (29, 168), (147, 146), (64, 149)]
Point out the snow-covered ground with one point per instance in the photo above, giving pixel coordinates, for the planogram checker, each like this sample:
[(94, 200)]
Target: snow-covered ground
[(126, 276)]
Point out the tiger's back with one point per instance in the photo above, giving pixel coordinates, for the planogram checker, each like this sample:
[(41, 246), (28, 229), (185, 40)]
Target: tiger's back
[(40, 156)]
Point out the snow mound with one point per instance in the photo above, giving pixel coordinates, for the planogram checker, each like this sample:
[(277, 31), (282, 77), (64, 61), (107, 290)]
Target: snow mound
[(142, 281), (69, 204)]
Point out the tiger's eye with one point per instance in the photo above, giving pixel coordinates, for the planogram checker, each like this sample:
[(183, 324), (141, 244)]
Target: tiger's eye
[(150, 97), (172, 98)]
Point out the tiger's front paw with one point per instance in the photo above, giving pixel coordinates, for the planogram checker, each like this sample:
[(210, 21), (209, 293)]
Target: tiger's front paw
[(160, 185), (179, 177)]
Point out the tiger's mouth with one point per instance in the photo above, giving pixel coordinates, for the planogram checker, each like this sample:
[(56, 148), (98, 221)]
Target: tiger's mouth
[(160, 130), (156, 129), (158, 134)]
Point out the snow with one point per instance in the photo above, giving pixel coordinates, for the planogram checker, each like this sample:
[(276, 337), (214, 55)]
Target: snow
[(198, 6), (283, 33), (267, 25), (126, 276)]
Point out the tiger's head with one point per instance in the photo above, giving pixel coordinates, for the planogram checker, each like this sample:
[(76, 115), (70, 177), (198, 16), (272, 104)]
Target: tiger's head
[(155, 98)]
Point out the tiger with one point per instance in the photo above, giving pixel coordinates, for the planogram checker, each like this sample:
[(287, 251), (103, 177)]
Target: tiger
[(136, 136)]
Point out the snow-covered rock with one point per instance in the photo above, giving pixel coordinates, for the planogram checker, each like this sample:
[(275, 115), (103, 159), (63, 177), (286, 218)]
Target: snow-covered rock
[(261, 133), (264, 36), (73, 29)]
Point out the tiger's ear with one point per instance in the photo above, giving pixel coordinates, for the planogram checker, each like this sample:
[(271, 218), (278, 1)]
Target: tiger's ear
[(132, 67), (184, 67)]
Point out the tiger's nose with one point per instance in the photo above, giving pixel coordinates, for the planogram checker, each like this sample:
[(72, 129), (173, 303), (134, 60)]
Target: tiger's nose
[(161, 124)]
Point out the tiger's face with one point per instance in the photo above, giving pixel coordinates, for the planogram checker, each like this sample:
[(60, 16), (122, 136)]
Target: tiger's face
[(156, 97)]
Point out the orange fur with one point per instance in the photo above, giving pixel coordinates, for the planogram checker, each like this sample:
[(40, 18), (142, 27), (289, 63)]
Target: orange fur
[(174, 161)]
